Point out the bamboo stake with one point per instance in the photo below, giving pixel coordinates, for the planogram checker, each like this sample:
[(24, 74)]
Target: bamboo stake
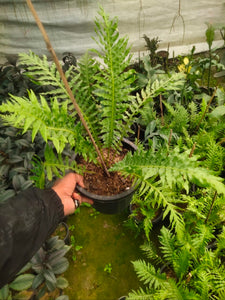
[(59, 68)]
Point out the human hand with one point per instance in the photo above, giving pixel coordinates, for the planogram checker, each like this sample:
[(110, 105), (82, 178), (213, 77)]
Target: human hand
[(65, 188)]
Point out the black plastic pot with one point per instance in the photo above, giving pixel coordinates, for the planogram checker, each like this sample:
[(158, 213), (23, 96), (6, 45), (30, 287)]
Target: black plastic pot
[(112, 204), (109, 204), (158, 217)]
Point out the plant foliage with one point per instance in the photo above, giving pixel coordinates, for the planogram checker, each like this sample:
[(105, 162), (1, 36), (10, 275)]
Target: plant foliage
[(161, 176), (190, 271)]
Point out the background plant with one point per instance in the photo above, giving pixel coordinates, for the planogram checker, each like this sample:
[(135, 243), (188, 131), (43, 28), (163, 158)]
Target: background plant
[(191, 270), (41, 275), (48, 263)]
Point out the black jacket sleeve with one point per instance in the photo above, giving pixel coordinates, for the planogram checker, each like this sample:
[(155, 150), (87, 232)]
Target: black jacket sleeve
[(26, 221)]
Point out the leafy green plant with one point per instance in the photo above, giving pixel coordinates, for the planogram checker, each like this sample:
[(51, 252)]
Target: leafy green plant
[(152, 45), (191, 270), (19, 288), (15, 158), (143, 215), (103, 92), (74, 247), (108, 268), (163, 176), (41, 274), (148, 72), (48, 263)]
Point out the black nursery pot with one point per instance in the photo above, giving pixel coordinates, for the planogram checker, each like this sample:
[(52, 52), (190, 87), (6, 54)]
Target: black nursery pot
[(112, 204)]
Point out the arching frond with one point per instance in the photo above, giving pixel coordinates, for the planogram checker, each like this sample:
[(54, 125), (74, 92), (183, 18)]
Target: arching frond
[(151, 253), (52, 121), (141, 294), (44, 73), (148, 274)]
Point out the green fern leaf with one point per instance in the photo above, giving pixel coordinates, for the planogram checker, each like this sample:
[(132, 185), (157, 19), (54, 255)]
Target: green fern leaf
[(142, 295), (167, 240), (114, 83), (53, 122), (44, 73), (151, 252), (148, 274)]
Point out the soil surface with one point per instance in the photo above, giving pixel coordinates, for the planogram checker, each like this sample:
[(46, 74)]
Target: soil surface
[(95, 179)]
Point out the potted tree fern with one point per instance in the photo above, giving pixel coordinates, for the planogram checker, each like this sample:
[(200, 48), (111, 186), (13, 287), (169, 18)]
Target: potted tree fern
[(104, 87), (104, 90)]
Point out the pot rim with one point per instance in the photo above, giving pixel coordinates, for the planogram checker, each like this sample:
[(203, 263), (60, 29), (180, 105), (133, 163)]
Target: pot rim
[(105, 198)]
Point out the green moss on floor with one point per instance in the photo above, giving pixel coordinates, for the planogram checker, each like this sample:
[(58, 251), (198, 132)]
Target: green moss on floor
[(104, 240)]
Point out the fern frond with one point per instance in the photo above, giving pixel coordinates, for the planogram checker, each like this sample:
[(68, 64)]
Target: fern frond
[(221, 242), (142, 294), (161, 85), (84, 90), (45, 74), (201, 238), (182, 263), (165, 83), (202, 282), (219, 280), (159, 174), (54, 165), (175, 170), (173, 291), (148, 274), (151, 253), (194, 115), (179, 116), (215, 157), (114, 82), (168, 246), (53, 122)]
